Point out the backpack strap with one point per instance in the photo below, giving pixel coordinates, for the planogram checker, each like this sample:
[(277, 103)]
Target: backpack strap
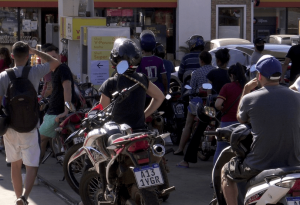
[(11, 74), (26, 71)]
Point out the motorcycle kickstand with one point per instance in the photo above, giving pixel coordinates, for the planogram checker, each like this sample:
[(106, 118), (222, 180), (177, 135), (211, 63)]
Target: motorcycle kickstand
[(45, 159)]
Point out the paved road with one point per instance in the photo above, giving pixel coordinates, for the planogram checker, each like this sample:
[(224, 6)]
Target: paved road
[(192, 184)]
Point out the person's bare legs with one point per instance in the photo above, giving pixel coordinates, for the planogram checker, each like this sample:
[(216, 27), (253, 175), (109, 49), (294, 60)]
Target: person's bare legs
[(16, 176), (230, 189), (31, 173), (44, 141), (186, 133)]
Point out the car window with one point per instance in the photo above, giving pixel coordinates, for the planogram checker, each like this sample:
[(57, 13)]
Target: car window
[(236, 56)]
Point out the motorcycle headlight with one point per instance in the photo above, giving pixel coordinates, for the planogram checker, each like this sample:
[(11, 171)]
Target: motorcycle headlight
[(210, 111)]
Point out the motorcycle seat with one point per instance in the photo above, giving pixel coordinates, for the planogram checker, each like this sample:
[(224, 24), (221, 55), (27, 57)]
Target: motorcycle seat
[(112, 138), (272, 172)]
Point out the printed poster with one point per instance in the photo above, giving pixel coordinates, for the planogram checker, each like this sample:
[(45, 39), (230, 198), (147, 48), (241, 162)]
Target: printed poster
[(99, 71)]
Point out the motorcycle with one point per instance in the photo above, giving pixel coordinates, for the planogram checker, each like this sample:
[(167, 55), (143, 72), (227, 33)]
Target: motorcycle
[(274, 186), (126, 154)]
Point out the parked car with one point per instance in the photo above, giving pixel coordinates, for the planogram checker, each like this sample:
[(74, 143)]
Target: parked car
[(242, 53), (215, 43), (282, 39)]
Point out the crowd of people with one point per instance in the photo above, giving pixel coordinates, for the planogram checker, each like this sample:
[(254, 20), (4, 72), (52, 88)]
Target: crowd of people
[(256, 101)]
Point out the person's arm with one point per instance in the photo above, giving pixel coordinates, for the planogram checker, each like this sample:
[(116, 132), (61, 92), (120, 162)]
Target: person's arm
[(219, 103), (157, 99), (67, 98), (104, 100), (284, 68), (209, 91), (296, 85), (53, 63), (165, 82)]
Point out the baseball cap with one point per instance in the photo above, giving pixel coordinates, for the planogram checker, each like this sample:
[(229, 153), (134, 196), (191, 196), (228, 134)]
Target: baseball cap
[(268, 65), (259, 40)]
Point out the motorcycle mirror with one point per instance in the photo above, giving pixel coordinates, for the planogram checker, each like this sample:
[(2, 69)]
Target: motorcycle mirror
[(168, 97), (187, 87), (70, 106), (153, 79), (210, 111), (206, 86), (122, 66)]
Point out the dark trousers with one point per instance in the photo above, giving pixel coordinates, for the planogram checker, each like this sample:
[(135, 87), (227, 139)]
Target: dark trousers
[(192, 149)]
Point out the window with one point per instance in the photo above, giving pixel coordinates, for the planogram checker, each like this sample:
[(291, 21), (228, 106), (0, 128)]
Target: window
[(8, 25), (293, 22), (231, 21)]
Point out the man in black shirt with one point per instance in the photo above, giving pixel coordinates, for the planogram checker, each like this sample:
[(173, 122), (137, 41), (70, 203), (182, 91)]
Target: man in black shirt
[(292, 55), (63, 91), (131, 110)]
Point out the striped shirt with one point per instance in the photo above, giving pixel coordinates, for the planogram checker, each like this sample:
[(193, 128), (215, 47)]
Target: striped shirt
[(199, 77), (190, 61)]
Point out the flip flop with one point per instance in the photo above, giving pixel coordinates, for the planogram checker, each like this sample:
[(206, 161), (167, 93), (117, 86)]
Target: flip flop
[(182, 166)]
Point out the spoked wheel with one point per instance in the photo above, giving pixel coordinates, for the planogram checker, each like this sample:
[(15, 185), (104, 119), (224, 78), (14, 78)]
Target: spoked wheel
[(73, 171), (202, 155), (58, 149), (144, 196), (91, 188)]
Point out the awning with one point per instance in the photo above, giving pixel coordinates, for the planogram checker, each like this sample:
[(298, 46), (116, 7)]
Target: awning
[(98, 3), (279, 3)]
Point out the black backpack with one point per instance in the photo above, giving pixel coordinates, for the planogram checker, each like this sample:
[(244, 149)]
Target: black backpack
[(21, 102)]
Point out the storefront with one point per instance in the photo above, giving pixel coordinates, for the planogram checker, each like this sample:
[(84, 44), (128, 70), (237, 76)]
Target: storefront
[(25, 20), (276, 17)]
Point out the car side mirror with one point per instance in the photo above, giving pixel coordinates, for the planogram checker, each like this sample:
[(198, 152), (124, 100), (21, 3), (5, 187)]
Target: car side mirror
[(206, 86)]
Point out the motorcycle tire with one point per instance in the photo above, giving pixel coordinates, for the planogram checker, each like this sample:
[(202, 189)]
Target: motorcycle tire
[(91, 189), (75, 168), (176, 135), (57, 146), (166, 180), (144, 196)]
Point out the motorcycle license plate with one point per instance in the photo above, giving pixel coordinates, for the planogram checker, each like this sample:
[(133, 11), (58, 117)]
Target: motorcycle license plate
[(78, 140), (293, 200), (148, 176)]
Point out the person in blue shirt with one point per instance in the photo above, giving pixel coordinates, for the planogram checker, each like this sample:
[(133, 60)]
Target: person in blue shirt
[(160, 52), (191, 60)]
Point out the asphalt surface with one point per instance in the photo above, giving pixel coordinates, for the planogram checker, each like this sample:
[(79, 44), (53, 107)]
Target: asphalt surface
[(192, 184)]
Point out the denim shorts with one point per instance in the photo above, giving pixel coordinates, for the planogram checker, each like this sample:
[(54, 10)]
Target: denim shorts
[(49, 125)]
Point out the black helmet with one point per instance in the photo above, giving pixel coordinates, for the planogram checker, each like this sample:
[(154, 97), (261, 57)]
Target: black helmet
[(160, 50), (241, 139), (3, 124), (125, 49), (148, 41), (195, 41)]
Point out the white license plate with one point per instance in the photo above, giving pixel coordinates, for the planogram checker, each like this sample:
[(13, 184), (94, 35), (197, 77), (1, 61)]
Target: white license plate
[(78, 140), (293, 200), (148, 176)]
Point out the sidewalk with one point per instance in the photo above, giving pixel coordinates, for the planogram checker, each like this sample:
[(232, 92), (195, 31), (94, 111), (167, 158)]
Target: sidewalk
[(40, 194)]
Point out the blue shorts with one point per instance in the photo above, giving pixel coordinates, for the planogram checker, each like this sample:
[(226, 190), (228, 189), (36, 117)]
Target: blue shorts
[(49, 125)]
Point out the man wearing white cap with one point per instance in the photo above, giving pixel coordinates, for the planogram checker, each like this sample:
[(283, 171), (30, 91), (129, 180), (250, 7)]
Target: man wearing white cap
[(273, 111)]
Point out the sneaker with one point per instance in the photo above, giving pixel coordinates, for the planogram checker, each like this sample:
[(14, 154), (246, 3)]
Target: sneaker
[(23, 200)]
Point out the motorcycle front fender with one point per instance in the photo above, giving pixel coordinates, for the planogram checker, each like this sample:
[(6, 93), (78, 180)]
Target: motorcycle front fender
[(81, 151)]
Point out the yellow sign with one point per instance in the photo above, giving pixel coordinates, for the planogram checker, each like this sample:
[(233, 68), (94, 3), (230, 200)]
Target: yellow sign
[(100, 55), (70, 26), (103, 42)]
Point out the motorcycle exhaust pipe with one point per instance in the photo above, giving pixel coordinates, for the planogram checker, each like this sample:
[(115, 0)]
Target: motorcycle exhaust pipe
[(158, 150)]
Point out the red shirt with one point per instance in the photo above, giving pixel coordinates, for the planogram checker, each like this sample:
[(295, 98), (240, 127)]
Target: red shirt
[(229, 93), (2, 66)]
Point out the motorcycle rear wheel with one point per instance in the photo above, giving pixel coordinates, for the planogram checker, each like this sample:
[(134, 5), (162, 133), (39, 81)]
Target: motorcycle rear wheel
[(143, 196), (91, 188), (73, 171)]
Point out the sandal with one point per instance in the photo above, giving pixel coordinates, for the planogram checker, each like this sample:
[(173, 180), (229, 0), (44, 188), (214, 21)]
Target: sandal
[(22, 199)]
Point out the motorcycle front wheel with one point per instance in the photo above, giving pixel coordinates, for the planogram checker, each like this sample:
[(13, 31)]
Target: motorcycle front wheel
[(144, 196), (91, 188), (202, 155), (73, 171)]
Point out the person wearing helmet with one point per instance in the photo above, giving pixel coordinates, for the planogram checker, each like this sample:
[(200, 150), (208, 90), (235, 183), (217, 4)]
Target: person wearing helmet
[(151, 65), (191, 60), (130, 110), (160, 52)]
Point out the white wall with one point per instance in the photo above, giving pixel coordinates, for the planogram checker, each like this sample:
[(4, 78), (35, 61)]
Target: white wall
[(192, 17)]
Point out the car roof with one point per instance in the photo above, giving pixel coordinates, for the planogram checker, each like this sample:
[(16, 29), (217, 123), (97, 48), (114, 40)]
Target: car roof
[(227, 41), (284, 35), (277, 50)]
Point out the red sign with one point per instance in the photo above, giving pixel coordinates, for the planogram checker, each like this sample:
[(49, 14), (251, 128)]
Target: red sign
[(114, 12), (119, 12)]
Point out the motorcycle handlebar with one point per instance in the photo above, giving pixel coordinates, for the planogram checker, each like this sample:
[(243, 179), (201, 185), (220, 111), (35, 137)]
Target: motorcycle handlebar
[(211, 133)]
